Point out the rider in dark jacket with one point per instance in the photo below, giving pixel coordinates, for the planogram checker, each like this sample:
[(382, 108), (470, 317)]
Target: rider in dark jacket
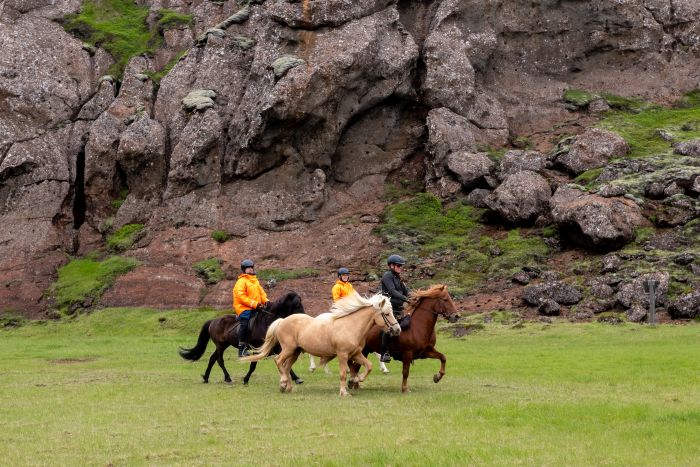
[(394, 288)]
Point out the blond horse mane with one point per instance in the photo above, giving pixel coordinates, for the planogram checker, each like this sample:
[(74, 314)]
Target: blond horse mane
[(414, 299), (353, 302)]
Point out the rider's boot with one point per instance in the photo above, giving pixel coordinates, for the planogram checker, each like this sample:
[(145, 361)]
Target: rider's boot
[(243, 338), (385, 358)]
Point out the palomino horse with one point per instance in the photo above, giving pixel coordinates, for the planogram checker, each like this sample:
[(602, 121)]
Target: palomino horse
[(340, 333), (224, 332), (418, 341)]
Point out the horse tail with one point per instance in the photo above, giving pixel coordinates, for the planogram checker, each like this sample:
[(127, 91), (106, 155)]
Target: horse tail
[(197, 351), (268, 346)]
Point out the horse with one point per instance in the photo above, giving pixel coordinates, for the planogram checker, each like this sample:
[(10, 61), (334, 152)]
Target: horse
[(223, 332), (339, 333), (418, 340)]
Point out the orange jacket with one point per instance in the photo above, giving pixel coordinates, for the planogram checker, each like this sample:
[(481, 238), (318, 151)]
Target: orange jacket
[(341, 289), (247, 293)]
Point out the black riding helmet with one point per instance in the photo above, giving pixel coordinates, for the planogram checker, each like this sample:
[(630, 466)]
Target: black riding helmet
[(396, 259), (342, 271), (247, 263)]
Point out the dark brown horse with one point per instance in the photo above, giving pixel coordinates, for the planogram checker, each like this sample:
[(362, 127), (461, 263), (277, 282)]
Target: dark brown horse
[(418, 341), (223, 332)]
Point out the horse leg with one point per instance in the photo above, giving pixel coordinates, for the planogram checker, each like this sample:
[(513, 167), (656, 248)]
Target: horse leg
[(212, 360), (312, 363), (354, 368), (433, 353), (382, 365), (293, 375), (343, 364), (407, 359), (281, 360), (251, 369), (362, 360), (220, 359), (324, 363)]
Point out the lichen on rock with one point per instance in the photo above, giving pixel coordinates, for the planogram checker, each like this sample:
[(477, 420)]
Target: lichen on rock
[(199, 99)]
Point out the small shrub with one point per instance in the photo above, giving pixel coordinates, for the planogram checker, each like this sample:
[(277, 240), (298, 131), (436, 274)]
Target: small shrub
[(219, 236), (84, 279), (209, 270), (125, 237)]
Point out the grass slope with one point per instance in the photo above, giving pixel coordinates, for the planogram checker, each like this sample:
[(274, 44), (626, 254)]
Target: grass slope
[(109, 388)]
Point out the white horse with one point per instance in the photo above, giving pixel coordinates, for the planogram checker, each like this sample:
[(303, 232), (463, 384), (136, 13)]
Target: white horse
[(341, 334)]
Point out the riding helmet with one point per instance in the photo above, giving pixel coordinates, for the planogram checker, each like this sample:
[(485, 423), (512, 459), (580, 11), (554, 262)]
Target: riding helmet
[(342, 271), (396, 259), (247, 263)]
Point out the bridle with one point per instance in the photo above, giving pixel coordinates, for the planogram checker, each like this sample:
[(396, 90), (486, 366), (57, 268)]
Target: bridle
[(384, 317)]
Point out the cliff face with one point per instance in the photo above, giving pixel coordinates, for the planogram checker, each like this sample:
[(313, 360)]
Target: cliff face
[(283, 113)]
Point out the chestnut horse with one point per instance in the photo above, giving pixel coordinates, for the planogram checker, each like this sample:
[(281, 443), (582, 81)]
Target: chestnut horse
[(223, 332), (339, 333), (418, 341)]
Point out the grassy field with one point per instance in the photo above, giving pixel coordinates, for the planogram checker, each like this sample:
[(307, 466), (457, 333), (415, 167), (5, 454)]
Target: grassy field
[(110, 389)]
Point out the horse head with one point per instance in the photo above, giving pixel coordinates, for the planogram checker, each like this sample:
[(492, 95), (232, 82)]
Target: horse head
[(386, 318), (288, 305), (446, 306)]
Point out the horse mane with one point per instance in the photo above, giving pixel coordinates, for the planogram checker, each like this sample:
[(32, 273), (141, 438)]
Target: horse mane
[(353, 302), (415, 297)]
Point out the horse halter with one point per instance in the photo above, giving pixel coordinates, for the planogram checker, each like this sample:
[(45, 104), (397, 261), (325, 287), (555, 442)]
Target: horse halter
[(386, 320)]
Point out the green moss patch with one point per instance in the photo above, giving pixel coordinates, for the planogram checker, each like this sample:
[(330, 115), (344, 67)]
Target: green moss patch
[(209, 270), (125, 237), (170, 19), (121, 28), (82, 280), (285, 274), (219, 236)]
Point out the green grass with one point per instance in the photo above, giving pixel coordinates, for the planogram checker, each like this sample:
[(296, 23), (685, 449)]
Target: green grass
[(157, 76), (88, 278), (286, 274), (124, 238), (209, 270), (640, 129), (118, 26), (109, 388), (579, 97)]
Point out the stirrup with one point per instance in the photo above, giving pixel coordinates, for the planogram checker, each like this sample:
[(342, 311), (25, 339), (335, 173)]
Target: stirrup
[(243, 352), (385, 358)]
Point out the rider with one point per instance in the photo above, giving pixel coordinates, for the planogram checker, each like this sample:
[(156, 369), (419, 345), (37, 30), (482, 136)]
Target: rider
[(396, 290), (248, 295), (342, 286)]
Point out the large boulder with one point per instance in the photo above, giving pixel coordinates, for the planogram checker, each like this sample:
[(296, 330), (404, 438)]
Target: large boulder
[(591, 150), (593, 221), (517, 161), (557, 291), (470, 167), (521, 198), (633, 293), (686, 306)]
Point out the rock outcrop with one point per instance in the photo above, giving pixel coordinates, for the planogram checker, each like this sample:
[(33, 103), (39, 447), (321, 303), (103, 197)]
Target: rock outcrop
[(302, 108)]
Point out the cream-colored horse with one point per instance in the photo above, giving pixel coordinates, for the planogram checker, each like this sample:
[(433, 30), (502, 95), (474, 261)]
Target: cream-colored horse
[(339, 333)]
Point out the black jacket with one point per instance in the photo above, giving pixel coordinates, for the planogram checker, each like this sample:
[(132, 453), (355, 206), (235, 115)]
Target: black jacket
[(395, 289)]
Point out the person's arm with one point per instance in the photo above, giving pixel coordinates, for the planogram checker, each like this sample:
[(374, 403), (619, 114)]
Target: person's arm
[(263, 295), (336, 291), (388, 283), (239, 292)]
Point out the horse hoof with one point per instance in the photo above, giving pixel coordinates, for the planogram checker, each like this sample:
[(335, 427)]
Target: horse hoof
[(437, 378), (311, 370), (228, 381), (299, 381), (386, 372), (283, 388), (245, 381)]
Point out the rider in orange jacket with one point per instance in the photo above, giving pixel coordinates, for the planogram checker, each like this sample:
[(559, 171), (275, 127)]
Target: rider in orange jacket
[(342, 286), (248, 295)]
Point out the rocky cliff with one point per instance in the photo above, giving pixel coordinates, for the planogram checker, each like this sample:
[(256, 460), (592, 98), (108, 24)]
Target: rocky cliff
[(281, 114)]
